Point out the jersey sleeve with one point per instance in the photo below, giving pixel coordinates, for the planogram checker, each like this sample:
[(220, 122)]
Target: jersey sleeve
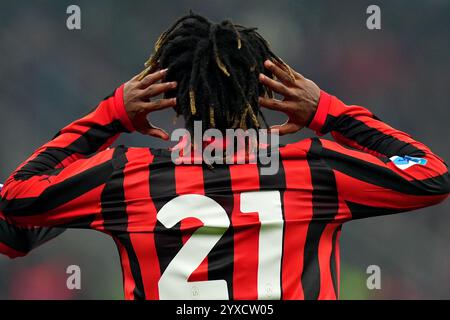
[(378, 169), (18, 241), (62, 181)]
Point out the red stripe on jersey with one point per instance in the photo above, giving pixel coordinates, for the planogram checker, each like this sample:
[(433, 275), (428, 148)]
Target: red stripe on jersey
[(142, 218), (189, 180), (325, 249), (431, 169), (69, 160), (417, 172), (352, 153), (378, 195), (246, 234), (11, 179), (144, 247), (297, 209), (370, 121), (68, 212), (98, 223), (101, 116), (36, 185), (128, 281), (338, 263)]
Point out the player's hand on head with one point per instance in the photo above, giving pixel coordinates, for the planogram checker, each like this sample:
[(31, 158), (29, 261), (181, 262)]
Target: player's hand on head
[(300, 97), (138, 101)]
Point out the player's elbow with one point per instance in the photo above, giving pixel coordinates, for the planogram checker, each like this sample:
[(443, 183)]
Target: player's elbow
[(17, 256), (12, 253), (439, 188), (15, 206), (444, 185), (439, 199)]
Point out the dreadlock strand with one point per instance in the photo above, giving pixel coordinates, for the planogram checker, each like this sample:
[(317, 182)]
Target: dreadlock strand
[(192, 101), (253, 116), (211, 117), (216, 52), (221, 65), (238, 35)]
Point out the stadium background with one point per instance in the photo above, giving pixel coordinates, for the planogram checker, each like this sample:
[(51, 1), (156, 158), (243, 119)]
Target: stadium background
[(49, 76)]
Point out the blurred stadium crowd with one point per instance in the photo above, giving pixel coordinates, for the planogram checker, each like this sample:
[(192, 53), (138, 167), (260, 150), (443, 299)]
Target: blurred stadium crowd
[(50, 76)]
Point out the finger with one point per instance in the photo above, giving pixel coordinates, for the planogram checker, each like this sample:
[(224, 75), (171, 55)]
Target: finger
[(156, 132), (152, 78), (282, 65), (281, 74), (157, 89), (286, 128), (160, 104), (136, 77), (276, 86), (297, 75), (274, 104)]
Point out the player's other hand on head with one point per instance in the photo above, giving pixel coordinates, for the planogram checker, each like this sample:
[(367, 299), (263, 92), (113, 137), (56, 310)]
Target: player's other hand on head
[(137, 96), (300, 97)]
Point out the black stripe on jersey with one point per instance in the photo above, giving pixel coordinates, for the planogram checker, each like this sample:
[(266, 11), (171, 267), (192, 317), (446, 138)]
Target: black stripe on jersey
[(124, 239), (57, 135), (333, 262), (325, 208), (276, 182), (217, 184), (59, 194), (384, 177), (380, 157), (115, 216), (43, 164), (14, 237), (88, 143), (25, 239), (80, 223), (361, 211), (371, 138), (168, 242)]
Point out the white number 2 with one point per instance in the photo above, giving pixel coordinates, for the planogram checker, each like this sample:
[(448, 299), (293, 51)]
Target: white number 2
[(174, 285)]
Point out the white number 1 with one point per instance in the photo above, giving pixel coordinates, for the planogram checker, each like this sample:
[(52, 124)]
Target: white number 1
[(174, 284), (268, 205)]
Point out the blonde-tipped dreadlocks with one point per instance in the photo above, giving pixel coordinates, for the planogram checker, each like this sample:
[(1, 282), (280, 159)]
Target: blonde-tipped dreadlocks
[(217, 68)]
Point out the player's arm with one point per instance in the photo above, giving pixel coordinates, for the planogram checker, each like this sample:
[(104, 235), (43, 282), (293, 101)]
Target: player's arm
[(388, 172), (385, 170), (63, 179), (18, 242)]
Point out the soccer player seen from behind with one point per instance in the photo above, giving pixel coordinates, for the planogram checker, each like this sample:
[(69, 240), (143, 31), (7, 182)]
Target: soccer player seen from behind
[(219, 231)]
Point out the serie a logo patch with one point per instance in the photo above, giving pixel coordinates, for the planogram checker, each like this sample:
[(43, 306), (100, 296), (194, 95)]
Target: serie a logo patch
[(406, 161)]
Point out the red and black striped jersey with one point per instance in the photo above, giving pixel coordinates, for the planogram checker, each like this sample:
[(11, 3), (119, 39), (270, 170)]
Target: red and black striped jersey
[(228, 232), (18, 241)]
